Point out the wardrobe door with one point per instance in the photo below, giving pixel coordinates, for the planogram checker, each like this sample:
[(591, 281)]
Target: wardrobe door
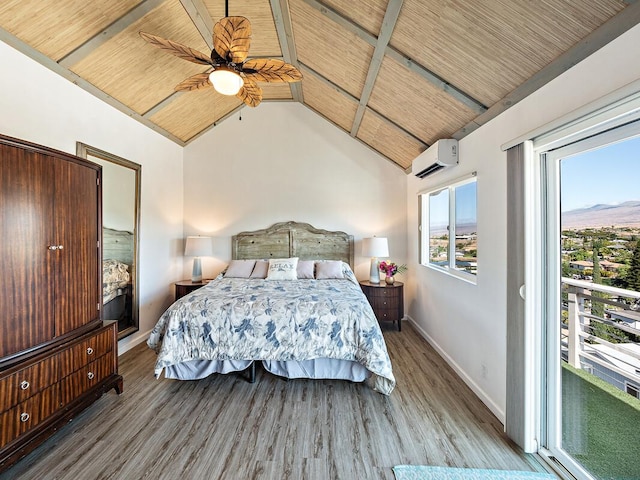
[(26, 220), (77, 214)]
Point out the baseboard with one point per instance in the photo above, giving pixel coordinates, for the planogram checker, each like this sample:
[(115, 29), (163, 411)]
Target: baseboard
[(131, 341), (499, 413)]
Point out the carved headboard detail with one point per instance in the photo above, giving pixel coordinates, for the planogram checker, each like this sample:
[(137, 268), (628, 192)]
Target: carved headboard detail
[(293, 239)]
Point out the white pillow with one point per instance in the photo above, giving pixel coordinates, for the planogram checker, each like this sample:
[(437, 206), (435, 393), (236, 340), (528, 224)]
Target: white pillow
[(305, 268), (240, 268), (261, 269), (329, 269), (283, 269)]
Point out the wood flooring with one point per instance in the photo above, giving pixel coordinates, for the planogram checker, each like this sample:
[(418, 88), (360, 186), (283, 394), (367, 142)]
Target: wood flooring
[(223, 427)]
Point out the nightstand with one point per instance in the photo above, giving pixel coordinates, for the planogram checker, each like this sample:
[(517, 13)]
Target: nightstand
[(184, 287), (387, 301)]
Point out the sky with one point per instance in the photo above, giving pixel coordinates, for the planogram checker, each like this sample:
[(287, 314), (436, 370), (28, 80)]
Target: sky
[(466, 208), (608, 175)]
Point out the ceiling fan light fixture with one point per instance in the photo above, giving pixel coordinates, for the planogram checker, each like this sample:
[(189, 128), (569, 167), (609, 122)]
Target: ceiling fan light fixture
[(226, 82)]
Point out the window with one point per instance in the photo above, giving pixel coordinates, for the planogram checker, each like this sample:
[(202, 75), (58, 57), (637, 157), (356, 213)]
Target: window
[(448, 228), (632, 389)]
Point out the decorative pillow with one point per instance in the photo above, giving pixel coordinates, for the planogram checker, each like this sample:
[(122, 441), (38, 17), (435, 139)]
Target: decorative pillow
[(329, 269), (261, 269), (240, 268), (283, 269), (305, 268)]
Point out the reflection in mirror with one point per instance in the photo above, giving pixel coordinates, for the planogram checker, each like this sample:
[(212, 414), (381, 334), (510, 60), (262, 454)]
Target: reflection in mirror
[(120, 228)]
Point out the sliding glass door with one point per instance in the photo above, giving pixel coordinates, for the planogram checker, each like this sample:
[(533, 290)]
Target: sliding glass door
[(591, 327)]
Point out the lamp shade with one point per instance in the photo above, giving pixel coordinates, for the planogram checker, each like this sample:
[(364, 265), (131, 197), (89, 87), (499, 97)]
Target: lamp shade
[(197, 246), (375, 247), (226, 82)]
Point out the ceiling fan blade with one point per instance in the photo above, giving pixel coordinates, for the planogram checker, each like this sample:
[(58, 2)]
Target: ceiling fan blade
[(250, 93), (271, 70), (194, 82), (177, 49), (231, 38)]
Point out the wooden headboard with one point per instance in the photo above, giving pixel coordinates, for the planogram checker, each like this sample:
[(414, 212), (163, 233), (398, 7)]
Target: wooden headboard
[(293, 239), (117, 245)]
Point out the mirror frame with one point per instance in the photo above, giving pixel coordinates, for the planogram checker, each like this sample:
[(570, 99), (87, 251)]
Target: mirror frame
[(83, 150)]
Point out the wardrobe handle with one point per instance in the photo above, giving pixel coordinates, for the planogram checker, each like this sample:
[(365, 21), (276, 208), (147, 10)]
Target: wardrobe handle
[(24, 385), (53, 247), (60, 247), (90, 375), (89, 351), (24, 417)]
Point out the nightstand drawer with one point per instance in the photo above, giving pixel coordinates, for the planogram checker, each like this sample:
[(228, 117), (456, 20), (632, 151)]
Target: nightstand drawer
[(385, 292), (185, 287), (387, 314), (383, 302)]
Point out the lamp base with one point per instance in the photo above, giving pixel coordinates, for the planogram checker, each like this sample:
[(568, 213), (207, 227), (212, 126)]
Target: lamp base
[(374, 274), (196, 274)]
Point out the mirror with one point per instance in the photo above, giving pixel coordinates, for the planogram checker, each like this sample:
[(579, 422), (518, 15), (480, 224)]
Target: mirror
[(120, 239)]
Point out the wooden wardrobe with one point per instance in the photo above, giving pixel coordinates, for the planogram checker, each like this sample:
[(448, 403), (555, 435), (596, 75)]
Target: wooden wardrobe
[(56, 354)]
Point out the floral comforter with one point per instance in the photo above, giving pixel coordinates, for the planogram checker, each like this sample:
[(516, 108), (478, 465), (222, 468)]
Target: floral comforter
[(255, 319)]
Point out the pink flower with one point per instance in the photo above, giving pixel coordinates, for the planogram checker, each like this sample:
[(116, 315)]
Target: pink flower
[(390, 269)]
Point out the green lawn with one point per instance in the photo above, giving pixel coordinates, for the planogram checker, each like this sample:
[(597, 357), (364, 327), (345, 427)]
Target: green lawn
[(600, 425)]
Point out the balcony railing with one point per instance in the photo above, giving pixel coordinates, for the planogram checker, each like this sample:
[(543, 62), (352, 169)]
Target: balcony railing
[(607, 345)]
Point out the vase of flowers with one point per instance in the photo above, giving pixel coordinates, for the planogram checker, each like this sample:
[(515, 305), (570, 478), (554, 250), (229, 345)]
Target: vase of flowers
[(390, 269)]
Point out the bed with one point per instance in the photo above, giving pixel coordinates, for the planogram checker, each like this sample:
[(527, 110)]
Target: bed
[(117, 266), (320, 327)]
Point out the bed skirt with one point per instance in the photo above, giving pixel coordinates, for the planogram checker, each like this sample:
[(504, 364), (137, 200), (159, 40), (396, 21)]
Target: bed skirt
[(320, 368)]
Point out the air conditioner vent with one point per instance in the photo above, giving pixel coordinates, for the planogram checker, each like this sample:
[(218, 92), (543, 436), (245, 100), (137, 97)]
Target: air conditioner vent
[(433, 168), (442, 154)]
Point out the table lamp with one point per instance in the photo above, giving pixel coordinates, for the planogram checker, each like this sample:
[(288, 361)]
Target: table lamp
[(197, 246), (375, 247)]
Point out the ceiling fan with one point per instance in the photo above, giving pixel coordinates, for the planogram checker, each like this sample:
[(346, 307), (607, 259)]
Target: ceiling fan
[(230, 72)]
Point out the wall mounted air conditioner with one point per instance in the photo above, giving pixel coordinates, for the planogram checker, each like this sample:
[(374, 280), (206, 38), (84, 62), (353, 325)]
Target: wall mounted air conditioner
[(442, 154)]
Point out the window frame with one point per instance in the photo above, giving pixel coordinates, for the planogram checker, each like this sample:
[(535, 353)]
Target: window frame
[(424, 251)]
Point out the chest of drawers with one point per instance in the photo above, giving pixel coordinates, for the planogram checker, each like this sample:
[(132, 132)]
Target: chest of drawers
[(47, 391)]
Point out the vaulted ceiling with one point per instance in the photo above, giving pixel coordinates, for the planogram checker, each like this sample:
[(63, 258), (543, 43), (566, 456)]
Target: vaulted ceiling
[(396, 75)]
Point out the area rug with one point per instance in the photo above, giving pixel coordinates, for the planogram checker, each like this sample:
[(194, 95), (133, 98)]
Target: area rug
[(419, 472)]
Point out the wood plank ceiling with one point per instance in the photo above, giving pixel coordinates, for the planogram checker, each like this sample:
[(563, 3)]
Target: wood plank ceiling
[(396, 75)]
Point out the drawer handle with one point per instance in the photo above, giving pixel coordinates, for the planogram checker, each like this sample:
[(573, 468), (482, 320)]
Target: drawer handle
[(90, 375), (89, 351), (24, 417), (24, 385)]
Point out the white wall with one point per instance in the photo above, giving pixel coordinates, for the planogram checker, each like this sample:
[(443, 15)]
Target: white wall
[(40, 106), (465, 322), (284, 162)]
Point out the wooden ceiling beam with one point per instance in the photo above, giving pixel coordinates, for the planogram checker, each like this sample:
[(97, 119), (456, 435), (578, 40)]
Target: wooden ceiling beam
[(416, 68), (355, 138), (108, 33), (616, 26), (342, 91), (388, 24), (282, 20), (201, 18)]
